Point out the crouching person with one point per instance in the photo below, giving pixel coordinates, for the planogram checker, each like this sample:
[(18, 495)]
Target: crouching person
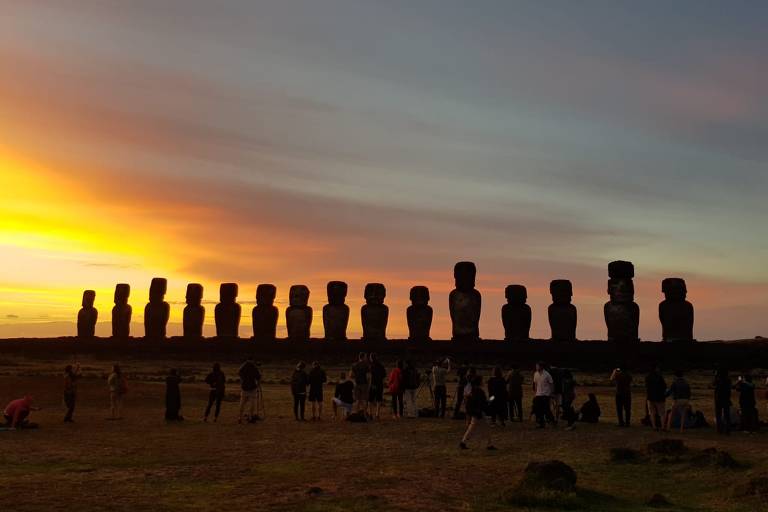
[(343, 397), (17, 412)]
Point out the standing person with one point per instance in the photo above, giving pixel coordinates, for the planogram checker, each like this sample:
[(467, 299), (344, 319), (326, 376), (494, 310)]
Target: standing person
[(376, 392), (343, 396), (746, 389), (249, 394), (217, 383), (680, 391), (411, 382), (515, 393), (173, 396), (118, 387), (16, 413), (461, 383), (622, 379), (439, 374), (317, 380), (722, 386), (299, 383), (497, 393), (71, 376), (396, 389), (568, 384), (543, 388), (477, 403), (656, 397), (360, 372)]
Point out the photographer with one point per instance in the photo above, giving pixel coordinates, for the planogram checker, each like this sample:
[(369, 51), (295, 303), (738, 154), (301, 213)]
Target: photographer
[(680, 391), (249, 394), (477, 404), (439, 374), (623, 381), (299, 383), (217, 383), (343, 396)]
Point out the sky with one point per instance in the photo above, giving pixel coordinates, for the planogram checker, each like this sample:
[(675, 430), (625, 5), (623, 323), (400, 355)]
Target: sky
[(302, 141)]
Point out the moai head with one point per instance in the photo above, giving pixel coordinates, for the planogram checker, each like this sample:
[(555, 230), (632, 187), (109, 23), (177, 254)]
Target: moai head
[(157, 289), (621, 291), (621, 270), (419, 295), (298, 295), (228, 293), (89, 297), (516, 294), (194, 294), (375, 293), (464, 273), (122, 292), (561, 290), (674, 289), (337, 292), (265, 294)]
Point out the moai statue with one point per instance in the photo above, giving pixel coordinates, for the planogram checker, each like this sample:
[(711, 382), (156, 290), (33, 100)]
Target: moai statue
[(464, 303), (227, 312), (419, 314), (121, 313), (87, 316), (157, 311), (265, 313), (675, 313), (298, 315), (336, 313), (516, 314), (194, 312), (374, 314), (562, 314), (622, 315)]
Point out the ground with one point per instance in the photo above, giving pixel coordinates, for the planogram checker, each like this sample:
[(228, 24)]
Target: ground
[(142, 463)]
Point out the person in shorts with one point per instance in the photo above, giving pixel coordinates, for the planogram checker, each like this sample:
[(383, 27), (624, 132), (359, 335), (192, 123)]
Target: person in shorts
[(360, 372), (317, 379), (249, 383), (376, 390), (343, 396)]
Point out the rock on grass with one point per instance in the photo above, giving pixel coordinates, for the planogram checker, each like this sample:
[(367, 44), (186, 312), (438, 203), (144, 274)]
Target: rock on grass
[(658, 501), (619, 455), (667, 447), (551, 475)]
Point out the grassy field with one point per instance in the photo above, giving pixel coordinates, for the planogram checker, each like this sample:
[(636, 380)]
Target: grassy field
[(142, 463)]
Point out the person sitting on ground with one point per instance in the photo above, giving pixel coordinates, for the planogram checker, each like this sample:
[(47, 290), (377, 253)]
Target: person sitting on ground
[(343, 396), (680, 391), (497, 392), (17, 413), (396, 389), (376, 389), (71, 376), (317, 380), (656, 397), (217, 383), (299, 383), (515, 394), (118, 387), (747, 403), (439, 375), (590, 410), (249, 390), (173, 396), (476, 405), (360, 372)]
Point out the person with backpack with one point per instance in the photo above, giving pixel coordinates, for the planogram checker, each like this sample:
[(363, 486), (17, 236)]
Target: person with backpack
[(217, 383), (747, 403), (396, 389), (299, 383), (376, 391), (497, 391), (411, 381), (118, 387), (515, 394), (680, 391), (317, 380), (71, 376), (656, 398), (622, 379), (360, 372), (173, 396), (249, 393), (722, 385), (476, 405), (439, 374)]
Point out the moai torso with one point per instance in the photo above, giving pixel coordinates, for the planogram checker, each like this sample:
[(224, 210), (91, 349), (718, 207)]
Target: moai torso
[(465, 302), (374, 314), (516, 314), (265, 313), (157, 311), (562, 314), (419, 314), (622, 315), (298, 315), (194, 312), (676, 313), (121, 313), (87, 316), (227, 312), (336, 313)]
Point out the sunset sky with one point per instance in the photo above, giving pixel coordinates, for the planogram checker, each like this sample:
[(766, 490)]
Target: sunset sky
[(302, 141)]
